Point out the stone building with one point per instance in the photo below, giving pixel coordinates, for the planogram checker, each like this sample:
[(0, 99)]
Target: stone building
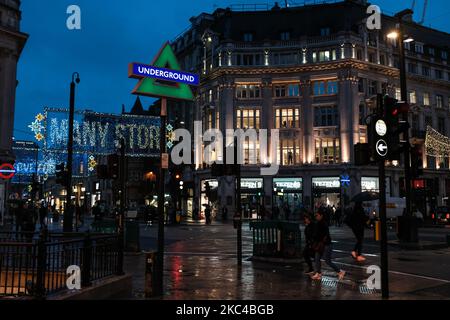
[(311, 71), (12, 41)]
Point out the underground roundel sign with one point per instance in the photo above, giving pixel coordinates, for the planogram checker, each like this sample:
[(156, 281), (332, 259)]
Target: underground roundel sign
[(7, 171)]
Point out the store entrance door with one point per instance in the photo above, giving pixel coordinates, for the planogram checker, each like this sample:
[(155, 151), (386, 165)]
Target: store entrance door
[(290, 205)]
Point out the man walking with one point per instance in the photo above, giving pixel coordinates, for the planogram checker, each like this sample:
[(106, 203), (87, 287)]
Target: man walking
[(357, 222)]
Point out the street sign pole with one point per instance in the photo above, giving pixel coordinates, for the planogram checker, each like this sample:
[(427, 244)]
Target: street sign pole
[(158, 290), (384, 252), (121, 228), (238, 202), (68, 212)]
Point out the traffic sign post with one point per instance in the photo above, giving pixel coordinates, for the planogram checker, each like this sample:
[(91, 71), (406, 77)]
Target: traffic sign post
[(380, 148), (162, 78)]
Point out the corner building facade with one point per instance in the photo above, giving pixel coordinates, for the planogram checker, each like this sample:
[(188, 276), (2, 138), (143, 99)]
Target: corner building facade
[(12, 42), (310, 72)]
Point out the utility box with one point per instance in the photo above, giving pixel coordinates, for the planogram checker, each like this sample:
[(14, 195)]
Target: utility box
[(132, 236)]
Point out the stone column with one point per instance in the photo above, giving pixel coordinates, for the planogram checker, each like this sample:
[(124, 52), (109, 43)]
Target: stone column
[(266, 114), (8, 67), (349, 115), (307, 188), (307, 112)]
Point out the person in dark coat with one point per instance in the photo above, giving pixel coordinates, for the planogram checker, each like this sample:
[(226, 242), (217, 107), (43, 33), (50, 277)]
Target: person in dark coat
[(308, 251), (322, 247), (43, 212), (357, 222), (208, 214), (224, 213)]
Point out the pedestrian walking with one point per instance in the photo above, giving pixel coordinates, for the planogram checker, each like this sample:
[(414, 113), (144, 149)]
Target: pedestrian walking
[(338, 216), (224, 213), (322, 248), (43, 212), (308, 251), (357, 222), (195, 213), (208, 214)]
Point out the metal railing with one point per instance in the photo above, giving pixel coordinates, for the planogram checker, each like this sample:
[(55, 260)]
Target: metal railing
[(278, 239), (36, 266)]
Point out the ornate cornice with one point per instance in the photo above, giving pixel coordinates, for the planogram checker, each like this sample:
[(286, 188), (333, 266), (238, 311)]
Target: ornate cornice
[(330, 66)]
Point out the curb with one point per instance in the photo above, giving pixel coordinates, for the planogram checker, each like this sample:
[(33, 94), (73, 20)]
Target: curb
[(419, 246)]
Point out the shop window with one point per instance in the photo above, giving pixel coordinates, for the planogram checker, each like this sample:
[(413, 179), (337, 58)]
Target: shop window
[(286, 118), (247, 91), (426, 99), (439, 101), (326, 116), (288, 152), (327, 151), (325, 87), (247, 118)]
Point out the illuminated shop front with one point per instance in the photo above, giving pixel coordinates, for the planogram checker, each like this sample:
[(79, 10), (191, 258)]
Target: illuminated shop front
[(288, 193), (252, 195), (326, 191), (209, 197), (373, 184)]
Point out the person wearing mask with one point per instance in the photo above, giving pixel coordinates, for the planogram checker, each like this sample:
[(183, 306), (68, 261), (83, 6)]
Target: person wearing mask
[(322, 248)]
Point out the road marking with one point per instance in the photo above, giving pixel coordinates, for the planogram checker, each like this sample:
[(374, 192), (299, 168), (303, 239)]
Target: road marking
[(365, 254), (204, 254), (399, 273)]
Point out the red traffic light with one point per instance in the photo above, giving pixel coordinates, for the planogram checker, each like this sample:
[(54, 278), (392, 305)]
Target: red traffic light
[(177, 176), (419, 184)]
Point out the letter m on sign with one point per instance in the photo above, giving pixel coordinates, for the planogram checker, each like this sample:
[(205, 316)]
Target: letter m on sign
[(154, 88)]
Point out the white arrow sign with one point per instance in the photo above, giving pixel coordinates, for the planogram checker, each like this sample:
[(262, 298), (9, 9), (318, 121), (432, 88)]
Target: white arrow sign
[(381, 148)]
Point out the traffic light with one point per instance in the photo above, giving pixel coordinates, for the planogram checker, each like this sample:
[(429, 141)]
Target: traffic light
[(61, 174), (395, 126), (113, 166), (416, 161)]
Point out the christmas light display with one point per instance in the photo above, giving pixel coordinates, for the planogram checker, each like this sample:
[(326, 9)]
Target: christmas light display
[(101, 133), (95, 134), (92, 163), (170, 136), (436, 144)]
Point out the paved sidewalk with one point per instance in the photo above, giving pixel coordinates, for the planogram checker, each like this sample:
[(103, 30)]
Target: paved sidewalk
[(200, 263)]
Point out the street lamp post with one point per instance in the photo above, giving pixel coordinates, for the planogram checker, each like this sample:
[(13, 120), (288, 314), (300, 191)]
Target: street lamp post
[(68, 213), (399, 35)]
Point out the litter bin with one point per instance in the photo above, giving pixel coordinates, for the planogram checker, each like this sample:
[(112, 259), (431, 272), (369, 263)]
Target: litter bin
[(132, 236), (150, 262)]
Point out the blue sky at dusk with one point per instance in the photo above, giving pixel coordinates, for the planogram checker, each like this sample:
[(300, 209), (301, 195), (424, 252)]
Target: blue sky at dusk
[(114, 33)]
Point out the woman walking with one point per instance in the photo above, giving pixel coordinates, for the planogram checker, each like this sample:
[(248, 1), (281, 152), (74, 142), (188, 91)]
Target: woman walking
[(322, 248)]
